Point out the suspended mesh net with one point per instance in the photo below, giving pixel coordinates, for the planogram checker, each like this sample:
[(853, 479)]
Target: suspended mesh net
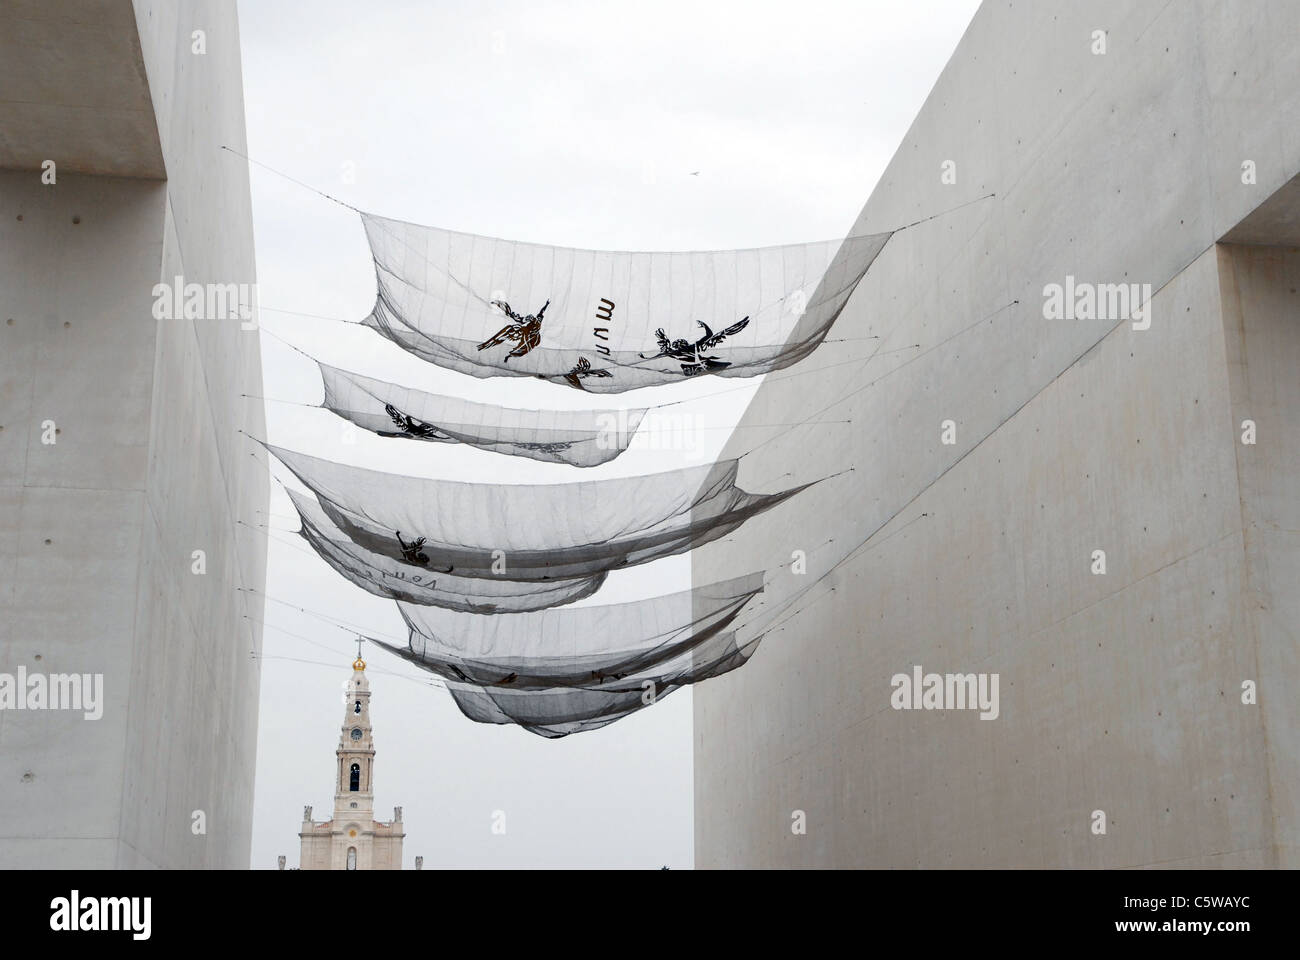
[(558, 712), (386, 577), (606, 322), (581, 438), (577, 646), (557, 672), (530, 531)]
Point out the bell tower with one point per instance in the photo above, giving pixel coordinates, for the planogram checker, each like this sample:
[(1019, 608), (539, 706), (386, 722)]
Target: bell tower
[(353, 839), (354, 794)]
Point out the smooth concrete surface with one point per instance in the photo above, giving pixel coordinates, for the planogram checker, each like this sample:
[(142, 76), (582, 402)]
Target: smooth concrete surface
[(1275, 222), (1261, 309), (73, 89), (1119, 692), (98, 530)]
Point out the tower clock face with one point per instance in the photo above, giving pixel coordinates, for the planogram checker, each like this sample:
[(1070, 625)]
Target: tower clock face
[(356, 733)]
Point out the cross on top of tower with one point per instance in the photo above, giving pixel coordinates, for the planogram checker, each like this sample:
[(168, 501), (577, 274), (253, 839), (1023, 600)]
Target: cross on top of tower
[(358, 663)]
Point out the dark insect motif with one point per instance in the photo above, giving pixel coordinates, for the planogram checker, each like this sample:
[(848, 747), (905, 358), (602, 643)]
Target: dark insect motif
[(524, 331), (508, 678), (556, 446), (410, 427), (581, 370), (412, 552), (691, 355)]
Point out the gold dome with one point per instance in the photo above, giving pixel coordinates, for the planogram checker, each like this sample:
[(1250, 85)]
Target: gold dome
[(358, 664)]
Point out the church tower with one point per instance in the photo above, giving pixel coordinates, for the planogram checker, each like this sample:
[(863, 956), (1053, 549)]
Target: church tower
[(353, 839)]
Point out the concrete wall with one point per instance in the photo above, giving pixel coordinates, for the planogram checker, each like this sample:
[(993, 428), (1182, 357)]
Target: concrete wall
[(1118, 692), (98, 531), (73, 89), (1261, 312)]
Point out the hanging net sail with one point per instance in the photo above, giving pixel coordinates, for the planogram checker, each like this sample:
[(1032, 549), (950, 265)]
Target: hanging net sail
[(530, 531), (558, 712), (386, 577), (606, 322), (556, 672), (581, 438)]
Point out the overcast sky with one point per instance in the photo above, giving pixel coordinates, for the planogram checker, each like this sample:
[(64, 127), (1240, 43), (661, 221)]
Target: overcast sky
[(637, 126)]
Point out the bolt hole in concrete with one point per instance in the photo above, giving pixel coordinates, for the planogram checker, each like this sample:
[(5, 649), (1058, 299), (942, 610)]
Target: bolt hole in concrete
[(76, 220)]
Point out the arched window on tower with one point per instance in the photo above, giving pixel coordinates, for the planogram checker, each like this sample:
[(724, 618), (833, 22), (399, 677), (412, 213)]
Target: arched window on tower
[(352, 858), (355, 782), (356, 707)]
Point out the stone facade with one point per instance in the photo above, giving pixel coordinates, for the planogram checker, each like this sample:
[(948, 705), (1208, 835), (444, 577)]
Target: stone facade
[(353, 839)]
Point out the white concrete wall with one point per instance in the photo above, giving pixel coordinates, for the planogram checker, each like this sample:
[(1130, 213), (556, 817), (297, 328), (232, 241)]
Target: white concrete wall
[(1262, 338), (97, 532), (1118, 692), (73, 89)]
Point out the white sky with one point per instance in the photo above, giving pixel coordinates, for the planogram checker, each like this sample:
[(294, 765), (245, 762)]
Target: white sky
[(577, 124)]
